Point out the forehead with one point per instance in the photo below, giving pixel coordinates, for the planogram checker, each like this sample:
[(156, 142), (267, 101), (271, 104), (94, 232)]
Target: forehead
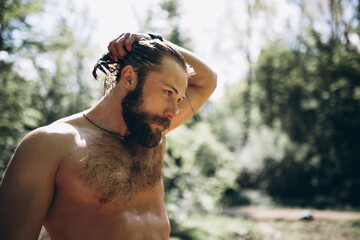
[(170, 73)]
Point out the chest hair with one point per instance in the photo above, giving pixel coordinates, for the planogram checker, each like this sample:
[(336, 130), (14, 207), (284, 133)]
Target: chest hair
[(116, 170)]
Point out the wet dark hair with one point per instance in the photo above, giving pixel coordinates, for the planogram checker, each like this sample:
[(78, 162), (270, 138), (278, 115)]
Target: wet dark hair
[(145, 56)]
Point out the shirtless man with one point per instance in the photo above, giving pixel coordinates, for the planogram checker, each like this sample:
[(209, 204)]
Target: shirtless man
[(97, 174)]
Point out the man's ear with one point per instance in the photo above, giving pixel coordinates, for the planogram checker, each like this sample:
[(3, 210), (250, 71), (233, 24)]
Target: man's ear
[(128, 78)]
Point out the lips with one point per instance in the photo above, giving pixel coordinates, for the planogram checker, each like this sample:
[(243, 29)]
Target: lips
[(159, 126), (162, 128)]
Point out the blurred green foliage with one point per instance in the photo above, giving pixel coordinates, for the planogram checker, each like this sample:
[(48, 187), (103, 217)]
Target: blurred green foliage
[(13, 122), (41, 74), (198, 169), (15, 97), (311, 94)]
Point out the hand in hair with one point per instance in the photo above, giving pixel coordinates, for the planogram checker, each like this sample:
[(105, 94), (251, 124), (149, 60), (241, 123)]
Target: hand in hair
[(121, 45)]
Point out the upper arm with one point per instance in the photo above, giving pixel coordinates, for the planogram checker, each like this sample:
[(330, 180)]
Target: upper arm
[(27, 188)]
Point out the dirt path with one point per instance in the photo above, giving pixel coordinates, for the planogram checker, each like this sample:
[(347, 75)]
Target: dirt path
[(268, 214)]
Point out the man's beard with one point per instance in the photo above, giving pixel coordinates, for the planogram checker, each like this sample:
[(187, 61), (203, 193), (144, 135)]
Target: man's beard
[(138, 122)]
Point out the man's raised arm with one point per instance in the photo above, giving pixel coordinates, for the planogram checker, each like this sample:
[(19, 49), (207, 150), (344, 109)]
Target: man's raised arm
[(201, 85)]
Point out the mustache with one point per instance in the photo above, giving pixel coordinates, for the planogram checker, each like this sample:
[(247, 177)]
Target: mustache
[(163, 121), (153, 119)]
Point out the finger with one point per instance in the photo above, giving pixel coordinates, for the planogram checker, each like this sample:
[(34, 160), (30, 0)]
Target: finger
[(119, 45), (112, 48), (113, 52), (129, 42), (123, 36)]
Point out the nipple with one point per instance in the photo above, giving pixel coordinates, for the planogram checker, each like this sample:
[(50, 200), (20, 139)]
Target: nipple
[(103, 200)]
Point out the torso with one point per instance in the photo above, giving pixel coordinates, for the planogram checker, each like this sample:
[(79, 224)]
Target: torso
[(107, 190)]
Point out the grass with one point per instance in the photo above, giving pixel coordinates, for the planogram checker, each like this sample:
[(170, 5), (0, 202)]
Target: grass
[(216, 227)]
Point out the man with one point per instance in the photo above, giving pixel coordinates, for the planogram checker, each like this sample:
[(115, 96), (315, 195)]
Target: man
[(97, 174)]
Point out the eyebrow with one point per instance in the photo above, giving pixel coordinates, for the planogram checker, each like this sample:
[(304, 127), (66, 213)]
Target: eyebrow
[(175, 90), (170, 86)]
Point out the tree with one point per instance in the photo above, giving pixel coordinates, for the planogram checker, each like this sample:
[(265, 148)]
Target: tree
[(13, 18), (313, 94), (307, 95), (16, 116), (57, 87), (63, 90), (15, 105)]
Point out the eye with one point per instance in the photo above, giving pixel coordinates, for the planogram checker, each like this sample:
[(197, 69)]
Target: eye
[(168, 92)]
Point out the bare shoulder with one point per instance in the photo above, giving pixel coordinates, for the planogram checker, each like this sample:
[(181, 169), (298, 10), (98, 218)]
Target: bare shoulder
[(28, 185), (39, 155), (50, 141), (68, 126), (43, 150)]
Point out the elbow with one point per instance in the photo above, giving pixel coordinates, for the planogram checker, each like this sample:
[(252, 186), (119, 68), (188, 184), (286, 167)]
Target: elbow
[(213, 80), (209, 82), (204, 80)]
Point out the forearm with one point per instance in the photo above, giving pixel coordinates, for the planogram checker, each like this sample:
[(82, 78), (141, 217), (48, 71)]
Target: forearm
[(204, 76)]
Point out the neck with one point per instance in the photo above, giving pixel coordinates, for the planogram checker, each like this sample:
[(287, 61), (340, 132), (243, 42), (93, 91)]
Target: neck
[(107, 114), (98, 126)]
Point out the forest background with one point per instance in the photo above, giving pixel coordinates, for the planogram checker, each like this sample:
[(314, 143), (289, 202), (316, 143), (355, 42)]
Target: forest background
[(283, 128)]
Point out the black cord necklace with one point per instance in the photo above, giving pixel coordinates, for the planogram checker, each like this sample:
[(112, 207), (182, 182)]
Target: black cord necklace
[(101, 127)]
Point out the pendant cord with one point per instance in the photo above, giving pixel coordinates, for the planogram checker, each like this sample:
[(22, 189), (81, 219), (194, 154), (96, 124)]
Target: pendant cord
[(101, 127)]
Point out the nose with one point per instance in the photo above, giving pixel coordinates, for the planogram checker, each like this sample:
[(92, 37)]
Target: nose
[(172, 111)]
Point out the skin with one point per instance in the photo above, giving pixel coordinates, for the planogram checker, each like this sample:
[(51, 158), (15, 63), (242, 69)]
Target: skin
[(83, 183)]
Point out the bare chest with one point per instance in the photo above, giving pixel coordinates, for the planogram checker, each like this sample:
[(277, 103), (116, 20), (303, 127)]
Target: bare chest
[(110, 171)]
